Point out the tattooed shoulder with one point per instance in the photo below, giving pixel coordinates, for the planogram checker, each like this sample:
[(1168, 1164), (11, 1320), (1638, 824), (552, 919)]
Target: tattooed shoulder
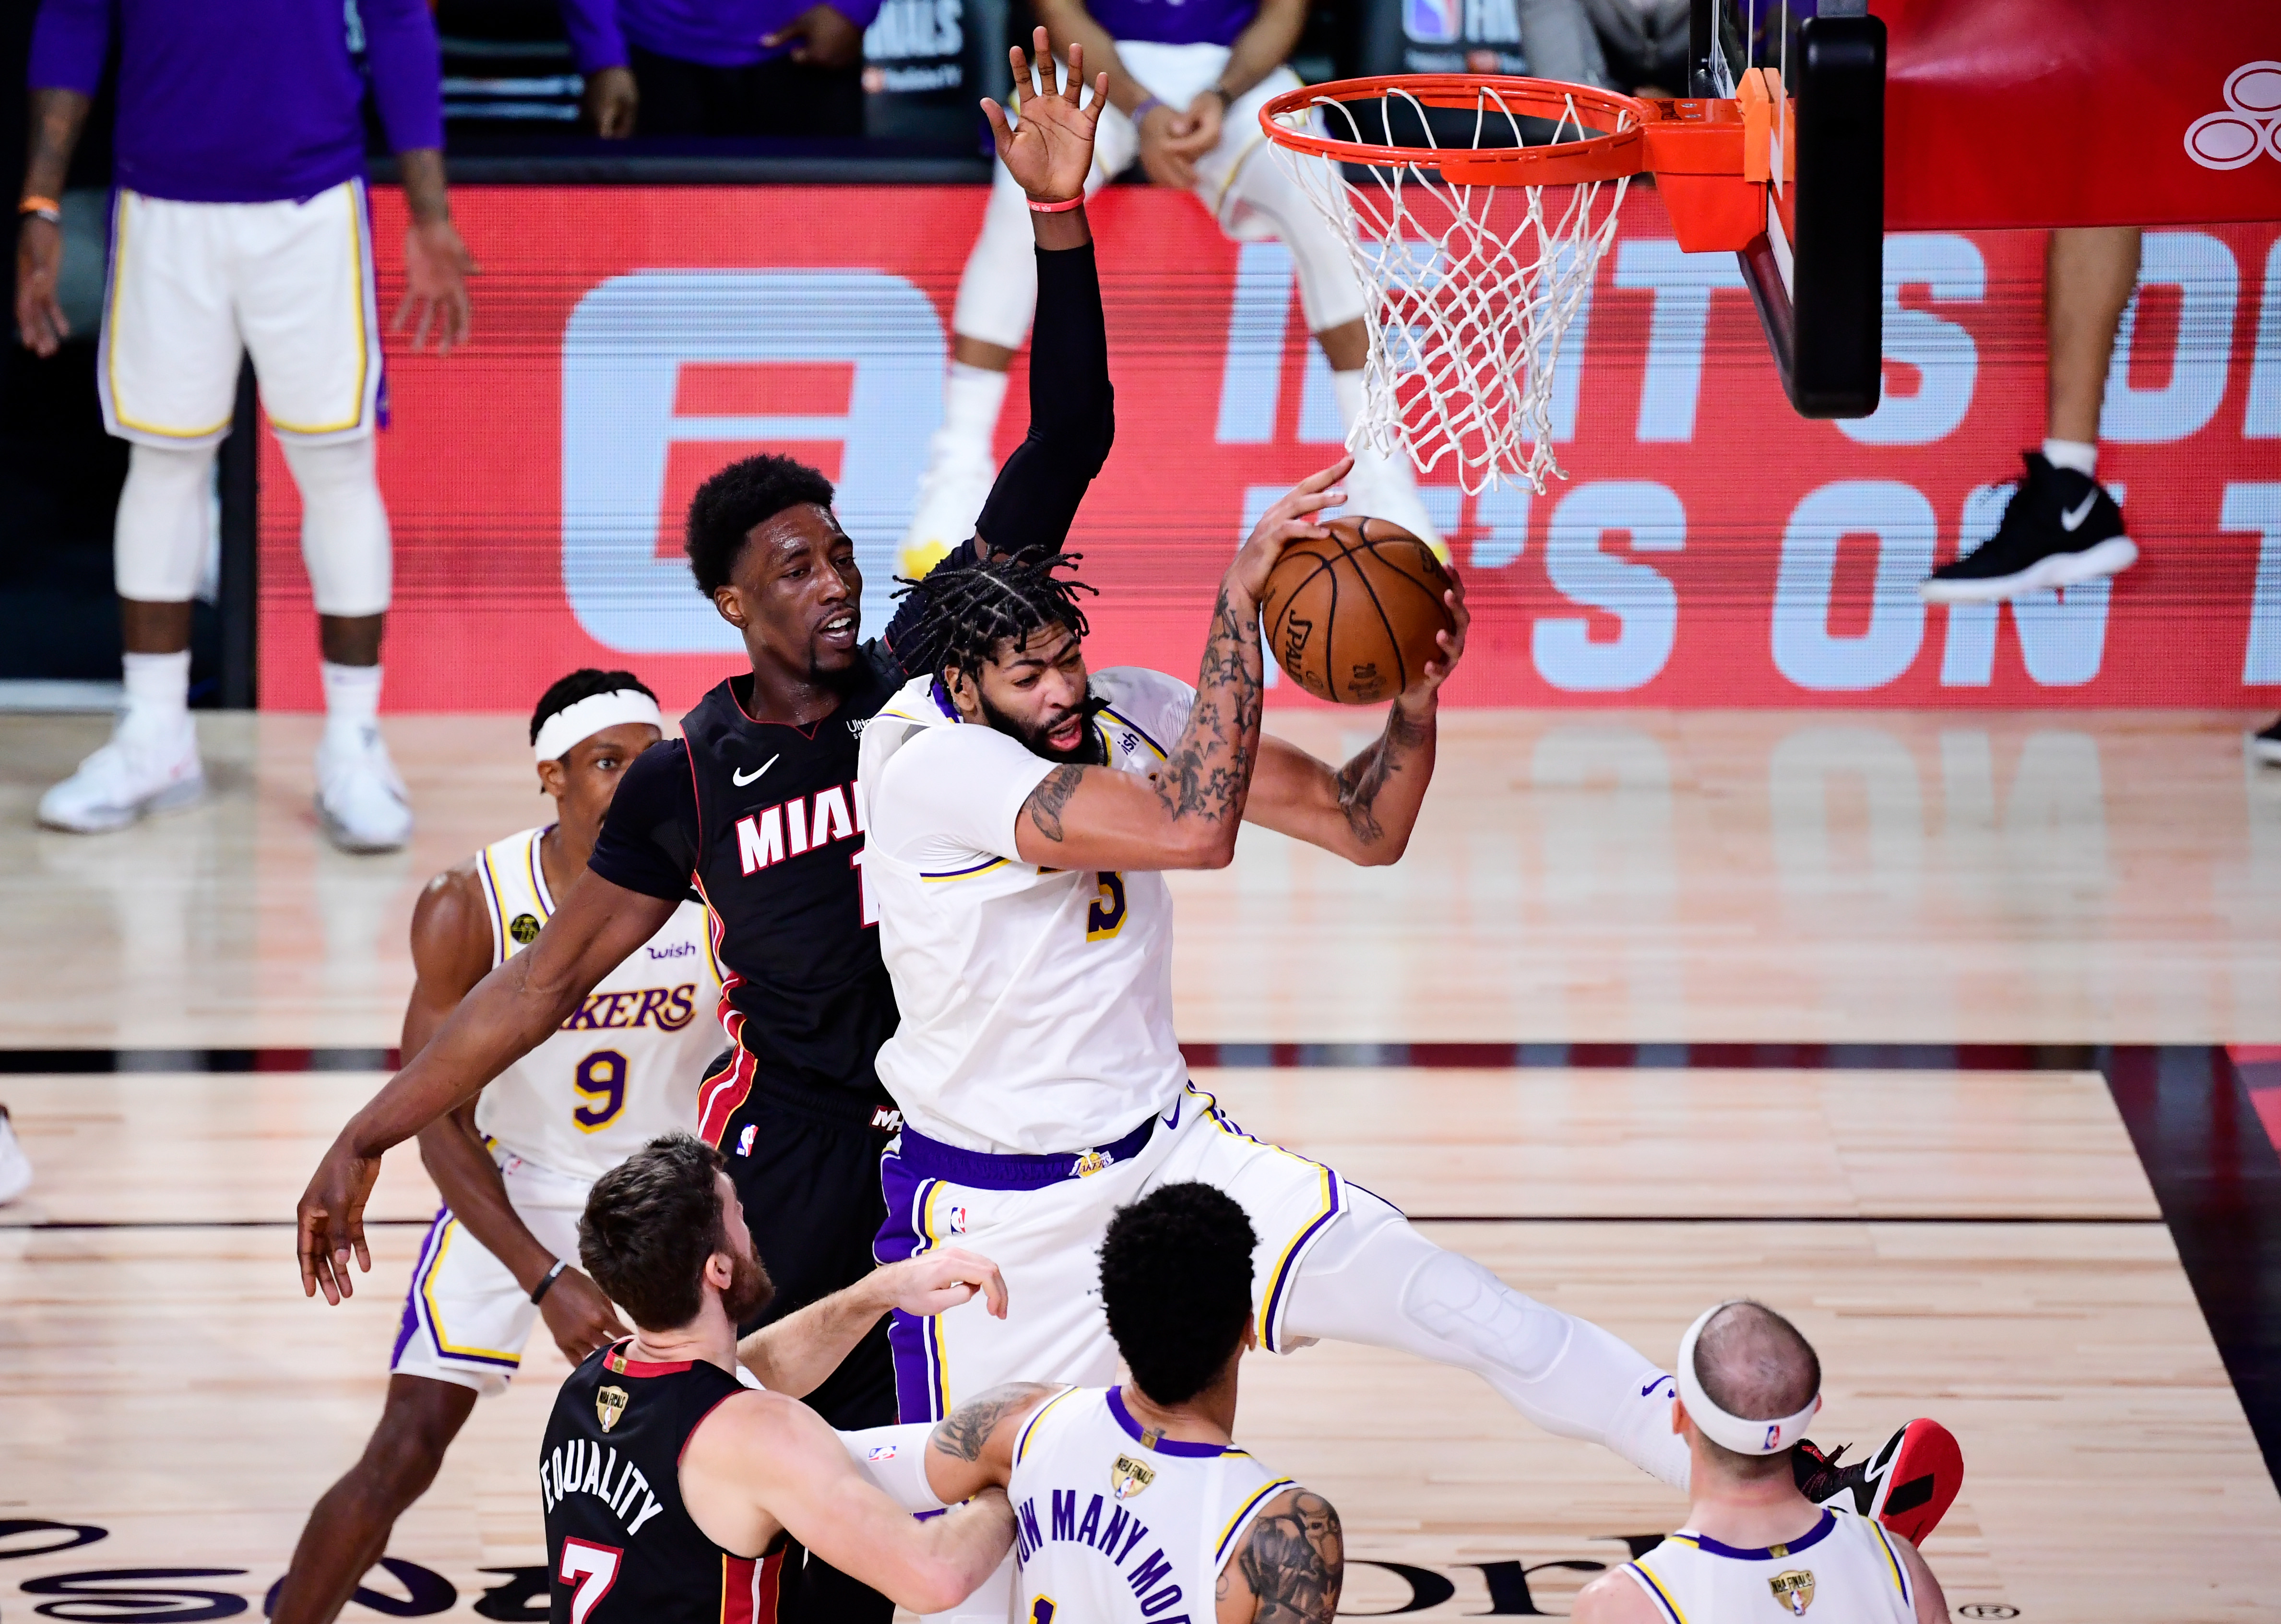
[(965, 1431), (1046, 800), (1294, 1560)]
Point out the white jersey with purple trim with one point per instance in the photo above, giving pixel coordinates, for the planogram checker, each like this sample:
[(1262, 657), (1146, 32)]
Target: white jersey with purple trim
[(1114, 1526), (1037, 1003), (626, 1066), (1846, 1570)]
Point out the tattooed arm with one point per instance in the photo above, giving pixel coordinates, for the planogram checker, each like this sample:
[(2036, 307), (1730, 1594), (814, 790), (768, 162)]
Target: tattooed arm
[(1184, 815), (1365, 810), (972, 1448), (1289, 1567)]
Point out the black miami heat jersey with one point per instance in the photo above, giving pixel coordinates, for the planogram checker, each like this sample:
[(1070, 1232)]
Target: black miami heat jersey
[(621, 1547), (779, 860)]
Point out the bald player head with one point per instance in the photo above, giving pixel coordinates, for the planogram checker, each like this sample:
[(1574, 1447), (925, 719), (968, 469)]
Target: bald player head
[(1752, 1363)]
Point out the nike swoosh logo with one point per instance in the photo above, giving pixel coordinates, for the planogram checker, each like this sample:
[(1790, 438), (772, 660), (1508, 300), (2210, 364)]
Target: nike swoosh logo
[(1658, 1382), (740, 779), (2071, 521)]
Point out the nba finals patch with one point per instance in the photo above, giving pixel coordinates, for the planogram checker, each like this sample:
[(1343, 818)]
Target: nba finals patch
[(1794, 1589), (524, 928), (1091, 1163), (1128, 1477), (610, 1404)]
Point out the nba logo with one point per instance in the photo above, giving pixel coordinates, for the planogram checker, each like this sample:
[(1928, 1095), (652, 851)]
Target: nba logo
[(958, 1220), (1431, 22), (744, 1138), (882, 1452), (1774, 1436)]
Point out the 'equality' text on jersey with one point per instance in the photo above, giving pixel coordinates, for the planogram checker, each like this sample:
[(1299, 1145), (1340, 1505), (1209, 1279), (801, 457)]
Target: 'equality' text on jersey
[(581, 1467)]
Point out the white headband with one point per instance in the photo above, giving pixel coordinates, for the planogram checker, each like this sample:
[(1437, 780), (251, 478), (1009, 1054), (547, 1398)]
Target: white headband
[(574, 724), (1736, 1433)]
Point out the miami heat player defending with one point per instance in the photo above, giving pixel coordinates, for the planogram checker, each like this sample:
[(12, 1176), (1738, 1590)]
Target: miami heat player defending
[(1185, 84), (515, 1165), (754, 807), (1020, 815), (677, 1463), (1754, 1547), (1131, 1502)]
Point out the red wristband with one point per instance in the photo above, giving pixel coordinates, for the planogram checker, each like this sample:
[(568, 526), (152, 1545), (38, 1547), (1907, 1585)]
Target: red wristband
[(1063, 207)]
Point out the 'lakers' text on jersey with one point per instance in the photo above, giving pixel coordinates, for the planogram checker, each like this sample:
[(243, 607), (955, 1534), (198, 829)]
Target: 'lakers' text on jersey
[(621, 1546), (1037, 1006), (1114, 1526), (625, 1066)]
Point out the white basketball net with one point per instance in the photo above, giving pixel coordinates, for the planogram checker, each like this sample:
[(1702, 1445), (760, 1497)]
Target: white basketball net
[(1475, 287)]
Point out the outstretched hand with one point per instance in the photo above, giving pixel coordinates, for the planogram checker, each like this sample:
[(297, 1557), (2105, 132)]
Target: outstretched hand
[(1049, 152), (329, 1226), (934, 1281), (1291, 517)]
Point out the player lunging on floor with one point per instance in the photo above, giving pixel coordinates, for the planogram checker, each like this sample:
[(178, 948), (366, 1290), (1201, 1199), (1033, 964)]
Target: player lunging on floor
[(1184, 1515), (514, 1166), (678, 1461), (1021, 812), (1185, 84), (754, 807), (1748, 1385)]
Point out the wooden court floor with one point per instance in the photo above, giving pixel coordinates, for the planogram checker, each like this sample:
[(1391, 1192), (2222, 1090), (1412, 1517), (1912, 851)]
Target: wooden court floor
[(1983, 1247)]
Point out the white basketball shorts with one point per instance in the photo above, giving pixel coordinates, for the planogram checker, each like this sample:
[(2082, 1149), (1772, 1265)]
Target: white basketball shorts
[(194, 285), (465, 1318), (1041, 1219)]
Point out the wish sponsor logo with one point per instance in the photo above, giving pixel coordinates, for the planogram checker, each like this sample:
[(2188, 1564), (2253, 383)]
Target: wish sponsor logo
[(672, 950)]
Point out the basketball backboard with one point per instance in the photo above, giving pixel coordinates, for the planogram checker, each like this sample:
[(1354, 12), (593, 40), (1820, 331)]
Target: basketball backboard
[(1817, 272)]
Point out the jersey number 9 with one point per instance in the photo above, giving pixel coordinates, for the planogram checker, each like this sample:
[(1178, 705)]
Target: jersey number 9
[(601, 1078), (1106, 916)]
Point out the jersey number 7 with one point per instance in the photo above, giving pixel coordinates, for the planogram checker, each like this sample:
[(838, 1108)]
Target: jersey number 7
[(591, 1570)]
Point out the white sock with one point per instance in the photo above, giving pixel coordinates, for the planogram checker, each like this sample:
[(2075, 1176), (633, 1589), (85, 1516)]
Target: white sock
[(1373, 1279), (971, 397), (157, 693), (2080, 455), (1346, 389), (352, 704)]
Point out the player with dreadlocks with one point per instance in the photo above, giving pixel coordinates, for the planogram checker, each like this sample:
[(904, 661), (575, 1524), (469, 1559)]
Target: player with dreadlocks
[(1021, 812), (752, 805)]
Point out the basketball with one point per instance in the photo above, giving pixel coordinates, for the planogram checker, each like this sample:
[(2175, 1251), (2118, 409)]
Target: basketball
[(1352, 616)]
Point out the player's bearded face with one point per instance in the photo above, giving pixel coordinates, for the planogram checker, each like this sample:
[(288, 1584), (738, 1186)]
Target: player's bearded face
[(749, 1285), (1037, 734)]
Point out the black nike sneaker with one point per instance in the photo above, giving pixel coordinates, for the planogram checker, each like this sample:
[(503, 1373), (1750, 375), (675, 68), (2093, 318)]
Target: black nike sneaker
[(1908, 1485), (2266, 747), (2060, 528)]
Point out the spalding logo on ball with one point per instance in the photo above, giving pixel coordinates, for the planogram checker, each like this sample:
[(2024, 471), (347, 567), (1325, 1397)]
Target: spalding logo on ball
[(1353, 616)]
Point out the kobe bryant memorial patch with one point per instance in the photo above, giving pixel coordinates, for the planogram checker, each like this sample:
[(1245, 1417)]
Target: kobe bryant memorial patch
[(1794, 1589), (524, 928), (1128, 1477), (610, 1404)]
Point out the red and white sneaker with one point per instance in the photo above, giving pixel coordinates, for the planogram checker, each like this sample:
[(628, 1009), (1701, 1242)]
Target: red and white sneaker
[(1908, 1485)]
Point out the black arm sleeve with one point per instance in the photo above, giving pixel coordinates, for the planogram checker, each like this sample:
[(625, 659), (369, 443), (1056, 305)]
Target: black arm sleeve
[(649, 836), (1072, 424)]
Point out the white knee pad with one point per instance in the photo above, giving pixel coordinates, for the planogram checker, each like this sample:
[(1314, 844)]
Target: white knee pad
[(166, 524), (1329, 291), (344, 524)]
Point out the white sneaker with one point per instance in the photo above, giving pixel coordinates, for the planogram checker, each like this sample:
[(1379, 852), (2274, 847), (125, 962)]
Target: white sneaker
[(951, 493), (140, 772), (15, 1166), (1382, 487), (361, 799)]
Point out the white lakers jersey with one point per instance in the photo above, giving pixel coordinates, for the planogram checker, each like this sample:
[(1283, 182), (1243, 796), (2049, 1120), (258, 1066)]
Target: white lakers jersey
[(626, 1066), (1844, 1571), (1037, 1003), (1112, 1529)]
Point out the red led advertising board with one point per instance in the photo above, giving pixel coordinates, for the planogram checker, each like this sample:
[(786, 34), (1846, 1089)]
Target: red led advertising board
[(1707, 547)]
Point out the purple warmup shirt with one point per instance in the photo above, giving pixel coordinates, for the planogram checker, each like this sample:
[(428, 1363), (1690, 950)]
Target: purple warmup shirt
[(717, 33), (1174, 22), (246, 101)]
